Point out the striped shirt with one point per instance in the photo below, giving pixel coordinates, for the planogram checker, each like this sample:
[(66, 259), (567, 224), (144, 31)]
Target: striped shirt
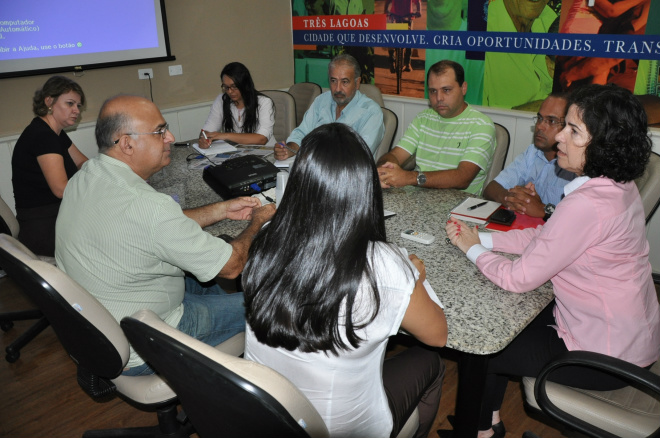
[(441, 144)]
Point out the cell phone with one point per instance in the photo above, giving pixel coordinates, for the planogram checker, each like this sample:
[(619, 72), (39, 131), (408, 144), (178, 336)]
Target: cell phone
[(502, 217)]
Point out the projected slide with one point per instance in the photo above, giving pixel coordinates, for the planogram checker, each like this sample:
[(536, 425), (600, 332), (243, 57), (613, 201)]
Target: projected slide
[(32, 31)]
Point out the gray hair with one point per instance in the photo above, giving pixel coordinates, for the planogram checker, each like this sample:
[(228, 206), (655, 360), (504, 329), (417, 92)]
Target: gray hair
[(110, 126), (345, 58)]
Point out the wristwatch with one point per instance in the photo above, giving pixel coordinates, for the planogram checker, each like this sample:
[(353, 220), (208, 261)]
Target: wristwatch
[(549, 209), (421, 179)]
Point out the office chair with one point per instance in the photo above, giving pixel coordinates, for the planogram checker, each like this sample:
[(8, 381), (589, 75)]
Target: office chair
[(499, 156), (304, 94), (9, 225), (285, 113), (391, 122), (373, 93), (627, 413), (93, 339), (223, 393), (649, 186)]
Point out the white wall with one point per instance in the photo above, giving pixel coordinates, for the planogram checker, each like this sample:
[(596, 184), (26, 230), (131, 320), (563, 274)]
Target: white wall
[(185, 122)]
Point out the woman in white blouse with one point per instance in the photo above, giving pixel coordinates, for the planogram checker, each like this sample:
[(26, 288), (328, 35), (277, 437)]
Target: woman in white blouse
[(324, 291), (240, 114)]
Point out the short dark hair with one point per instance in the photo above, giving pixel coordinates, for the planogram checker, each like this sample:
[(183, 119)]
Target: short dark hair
[(620, 145), (345, 58), (54, 87), (305, 267), (441, 67), (110, 126)]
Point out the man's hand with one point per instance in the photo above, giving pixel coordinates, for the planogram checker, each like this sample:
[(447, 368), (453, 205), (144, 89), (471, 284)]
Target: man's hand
[(392, 175), (282, 152), (525, 200), (261, 215), (241, 244), (239, 209), (461, 235)]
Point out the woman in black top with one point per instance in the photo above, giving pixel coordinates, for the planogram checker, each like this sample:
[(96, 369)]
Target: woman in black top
[(43, 160)]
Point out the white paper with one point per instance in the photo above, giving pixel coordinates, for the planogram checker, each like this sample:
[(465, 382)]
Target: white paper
[(217, 147), (480, 213), (284, 164), (427, 285), (260, 196), (432, 294)]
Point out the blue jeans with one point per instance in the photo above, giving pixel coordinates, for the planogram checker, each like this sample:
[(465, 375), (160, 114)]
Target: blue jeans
[(209, 314)]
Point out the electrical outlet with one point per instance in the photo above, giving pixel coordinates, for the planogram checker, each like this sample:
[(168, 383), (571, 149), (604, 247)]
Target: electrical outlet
[(175, 70), (145, 73)]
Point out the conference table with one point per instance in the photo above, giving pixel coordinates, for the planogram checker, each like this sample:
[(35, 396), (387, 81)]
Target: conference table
[(482, 318)]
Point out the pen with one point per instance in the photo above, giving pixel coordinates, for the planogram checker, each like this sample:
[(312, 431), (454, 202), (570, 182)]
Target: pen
[(481, 204), (284, 145), (204, 134)]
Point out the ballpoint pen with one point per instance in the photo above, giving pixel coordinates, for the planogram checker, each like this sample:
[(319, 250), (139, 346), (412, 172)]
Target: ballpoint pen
[(481, 204), (284, 145)]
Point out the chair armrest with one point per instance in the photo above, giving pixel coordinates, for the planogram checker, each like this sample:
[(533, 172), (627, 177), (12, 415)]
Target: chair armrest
[(638, 377)]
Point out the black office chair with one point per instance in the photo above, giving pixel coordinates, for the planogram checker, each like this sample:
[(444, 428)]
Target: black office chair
[(93, 339), (223, 395), (630, 412), (9, 225)]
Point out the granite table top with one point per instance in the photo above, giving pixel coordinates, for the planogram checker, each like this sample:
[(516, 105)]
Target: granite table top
[(482, 318)]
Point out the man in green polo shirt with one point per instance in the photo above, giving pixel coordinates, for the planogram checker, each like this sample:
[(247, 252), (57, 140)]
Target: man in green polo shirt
[(130, 246), (452, 142)]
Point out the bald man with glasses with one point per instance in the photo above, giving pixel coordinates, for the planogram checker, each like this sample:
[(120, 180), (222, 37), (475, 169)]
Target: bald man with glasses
[(533, 183), (132, 247)]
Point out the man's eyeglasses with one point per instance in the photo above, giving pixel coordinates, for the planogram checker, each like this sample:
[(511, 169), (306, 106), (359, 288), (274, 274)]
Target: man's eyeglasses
[(162, 132), (226, 88), (551, 121)]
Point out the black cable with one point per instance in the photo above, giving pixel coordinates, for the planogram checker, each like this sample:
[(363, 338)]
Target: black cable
[(196, 156), (151, 91)]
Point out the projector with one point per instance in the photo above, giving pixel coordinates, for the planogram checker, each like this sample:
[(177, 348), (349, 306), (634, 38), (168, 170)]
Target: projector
[(241, 176)]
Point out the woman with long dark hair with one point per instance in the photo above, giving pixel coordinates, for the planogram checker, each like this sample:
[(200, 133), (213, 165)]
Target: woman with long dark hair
[(324, 291), (593, 249), (240, 114)]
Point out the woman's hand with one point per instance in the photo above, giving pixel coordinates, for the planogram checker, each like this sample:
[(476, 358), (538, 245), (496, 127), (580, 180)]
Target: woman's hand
[(204, 141), (461, 235), (419, 264)]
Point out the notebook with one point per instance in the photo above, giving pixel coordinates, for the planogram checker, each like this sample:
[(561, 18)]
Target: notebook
[(474, 210)]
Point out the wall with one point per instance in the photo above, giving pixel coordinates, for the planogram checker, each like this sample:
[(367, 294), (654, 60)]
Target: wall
[(204, 36)]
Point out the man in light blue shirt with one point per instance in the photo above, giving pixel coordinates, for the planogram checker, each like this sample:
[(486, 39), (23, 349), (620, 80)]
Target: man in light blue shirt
[(533, 183), (343, 104)]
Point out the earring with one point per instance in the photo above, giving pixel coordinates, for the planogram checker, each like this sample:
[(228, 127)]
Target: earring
[(50, 110)]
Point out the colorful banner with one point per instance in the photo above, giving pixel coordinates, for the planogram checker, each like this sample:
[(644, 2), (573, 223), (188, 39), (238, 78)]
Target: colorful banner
[(514, 52), (600, 46)]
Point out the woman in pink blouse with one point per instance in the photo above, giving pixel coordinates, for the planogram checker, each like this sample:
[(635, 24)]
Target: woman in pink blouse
[(593, 249)]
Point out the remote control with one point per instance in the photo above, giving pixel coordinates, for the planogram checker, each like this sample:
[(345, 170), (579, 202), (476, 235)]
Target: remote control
[(416, 236)]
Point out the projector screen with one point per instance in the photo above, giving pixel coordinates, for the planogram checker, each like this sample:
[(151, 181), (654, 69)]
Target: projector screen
[(39, 36)]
